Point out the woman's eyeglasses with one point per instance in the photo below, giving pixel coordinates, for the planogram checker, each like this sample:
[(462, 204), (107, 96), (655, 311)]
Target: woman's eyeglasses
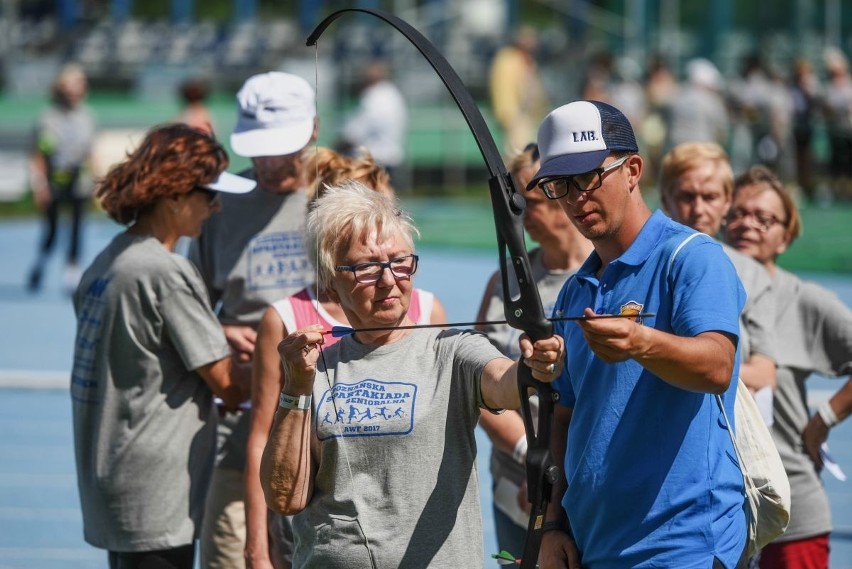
[(762, 220), (369, 273), (559, 186)]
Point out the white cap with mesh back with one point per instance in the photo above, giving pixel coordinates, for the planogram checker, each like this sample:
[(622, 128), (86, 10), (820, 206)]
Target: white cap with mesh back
[(577, 137)]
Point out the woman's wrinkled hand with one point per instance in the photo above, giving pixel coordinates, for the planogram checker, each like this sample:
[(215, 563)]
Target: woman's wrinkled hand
[(299, 353)]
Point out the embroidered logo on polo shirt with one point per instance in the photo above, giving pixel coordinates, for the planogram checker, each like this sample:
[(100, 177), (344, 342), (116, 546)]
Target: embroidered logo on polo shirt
[(632, 307)]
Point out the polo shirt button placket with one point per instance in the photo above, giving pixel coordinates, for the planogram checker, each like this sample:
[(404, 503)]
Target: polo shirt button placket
[(603, 297)]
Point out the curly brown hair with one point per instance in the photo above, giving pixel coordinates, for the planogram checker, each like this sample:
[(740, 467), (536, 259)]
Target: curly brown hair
[(173, 159)]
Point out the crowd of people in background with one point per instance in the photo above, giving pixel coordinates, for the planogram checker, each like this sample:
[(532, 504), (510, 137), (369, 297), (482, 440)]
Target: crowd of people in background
[(760, 114)]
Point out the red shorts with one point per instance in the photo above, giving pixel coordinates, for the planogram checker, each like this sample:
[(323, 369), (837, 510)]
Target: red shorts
[(808, 553)]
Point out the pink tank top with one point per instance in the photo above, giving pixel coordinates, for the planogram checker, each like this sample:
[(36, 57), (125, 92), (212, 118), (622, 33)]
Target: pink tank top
[(302, 309)]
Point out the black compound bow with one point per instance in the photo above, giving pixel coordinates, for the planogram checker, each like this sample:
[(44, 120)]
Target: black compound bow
[(524, 312)]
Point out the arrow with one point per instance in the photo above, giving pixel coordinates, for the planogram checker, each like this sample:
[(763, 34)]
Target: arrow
[(341, 331)]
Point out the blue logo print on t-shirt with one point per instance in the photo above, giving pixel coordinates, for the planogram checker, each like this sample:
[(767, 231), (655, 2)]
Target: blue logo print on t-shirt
[(277, 261), (367, 408), (84, 387)]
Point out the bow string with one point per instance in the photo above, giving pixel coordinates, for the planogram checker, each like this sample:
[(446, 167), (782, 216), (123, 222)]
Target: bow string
[(524, 311)]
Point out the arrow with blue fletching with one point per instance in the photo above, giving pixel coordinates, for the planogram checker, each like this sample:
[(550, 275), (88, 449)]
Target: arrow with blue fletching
[(341, 331)]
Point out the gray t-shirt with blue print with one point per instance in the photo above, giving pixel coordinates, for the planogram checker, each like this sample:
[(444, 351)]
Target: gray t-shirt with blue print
[(397, 464), (144, 422)]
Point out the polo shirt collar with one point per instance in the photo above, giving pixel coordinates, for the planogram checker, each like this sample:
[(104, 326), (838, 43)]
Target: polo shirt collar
[(639, 251), (647, 240)]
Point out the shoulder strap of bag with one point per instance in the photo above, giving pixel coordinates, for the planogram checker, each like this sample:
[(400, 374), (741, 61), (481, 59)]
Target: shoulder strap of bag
[(718, 397), (731, 432)]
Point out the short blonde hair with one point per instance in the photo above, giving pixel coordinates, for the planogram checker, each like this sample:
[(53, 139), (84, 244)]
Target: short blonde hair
[(689, 155), (347, 212)]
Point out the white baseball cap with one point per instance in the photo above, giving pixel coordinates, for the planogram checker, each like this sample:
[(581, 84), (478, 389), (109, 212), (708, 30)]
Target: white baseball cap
[(275, 117)]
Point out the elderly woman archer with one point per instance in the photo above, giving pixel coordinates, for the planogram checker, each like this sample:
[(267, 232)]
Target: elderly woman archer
[(373, 444)]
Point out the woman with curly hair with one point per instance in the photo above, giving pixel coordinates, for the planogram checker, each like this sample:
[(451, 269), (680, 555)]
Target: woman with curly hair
[(149, 355)]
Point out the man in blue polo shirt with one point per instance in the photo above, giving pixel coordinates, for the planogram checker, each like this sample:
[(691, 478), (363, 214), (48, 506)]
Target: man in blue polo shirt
[(650, 474)]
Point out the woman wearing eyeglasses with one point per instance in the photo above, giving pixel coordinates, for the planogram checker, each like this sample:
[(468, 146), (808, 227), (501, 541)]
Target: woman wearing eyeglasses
[(149, 356), (269, 538), (373, 446), (814, 334)]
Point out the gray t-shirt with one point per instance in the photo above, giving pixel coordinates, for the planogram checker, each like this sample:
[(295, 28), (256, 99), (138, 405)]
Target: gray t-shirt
[(815, 335), (144, 422), (397, 463), (757, 320), (505, 339), (697, 114), (66, 135), (252, 253), (65, 138), (549, 283)]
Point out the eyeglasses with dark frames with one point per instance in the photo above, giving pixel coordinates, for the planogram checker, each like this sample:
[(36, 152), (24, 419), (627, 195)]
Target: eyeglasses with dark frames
[(369, 273), (559, 186), (763, 221)]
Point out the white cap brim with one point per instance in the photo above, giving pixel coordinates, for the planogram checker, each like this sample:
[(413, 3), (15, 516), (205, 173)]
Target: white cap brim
[(277, 141), (231, 184)]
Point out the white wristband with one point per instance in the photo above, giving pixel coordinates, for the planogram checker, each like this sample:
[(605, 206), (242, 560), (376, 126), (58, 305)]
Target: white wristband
[(296, 403), (827, 414), (520, 452)]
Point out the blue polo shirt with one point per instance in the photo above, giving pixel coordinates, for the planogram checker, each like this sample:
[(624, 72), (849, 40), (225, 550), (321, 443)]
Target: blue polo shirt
[(653, 477)]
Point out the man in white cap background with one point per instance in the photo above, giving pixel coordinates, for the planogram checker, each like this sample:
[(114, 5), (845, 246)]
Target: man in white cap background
[(249, 256), (647, 475)]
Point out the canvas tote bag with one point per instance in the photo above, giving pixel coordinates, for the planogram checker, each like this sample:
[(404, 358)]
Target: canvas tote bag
[(767, 489)]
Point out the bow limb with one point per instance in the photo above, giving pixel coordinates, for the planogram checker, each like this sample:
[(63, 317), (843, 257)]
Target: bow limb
[(523, 312)]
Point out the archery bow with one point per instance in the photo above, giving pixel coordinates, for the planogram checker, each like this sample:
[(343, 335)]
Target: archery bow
[(524, 312)]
